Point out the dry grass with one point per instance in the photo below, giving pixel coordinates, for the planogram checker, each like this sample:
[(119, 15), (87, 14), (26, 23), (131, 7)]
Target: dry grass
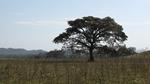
[(102, 71)]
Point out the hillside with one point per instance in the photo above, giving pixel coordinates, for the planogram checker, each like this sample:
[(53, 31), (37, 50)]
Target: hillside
[(19, 52)]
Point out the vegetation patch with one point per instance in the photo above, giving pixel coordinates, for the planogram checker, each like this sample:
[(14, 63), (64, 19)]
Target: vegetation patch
[(102, 71)]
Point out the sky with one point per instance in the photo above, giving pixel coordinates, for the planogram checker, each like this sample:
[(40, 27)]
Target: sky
[(33, 24)]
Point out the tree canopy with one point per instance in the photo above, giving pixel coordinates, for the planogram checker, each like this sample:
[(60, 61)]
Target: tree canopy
[(93, 32)]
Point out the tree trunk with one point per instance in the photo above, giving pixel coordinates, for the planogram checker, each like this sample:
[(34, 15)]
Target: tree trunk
[(91, 55)]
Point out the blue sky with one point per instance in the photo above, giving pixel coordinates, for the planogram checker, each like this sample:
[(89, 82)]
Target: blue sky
[(32, 24)]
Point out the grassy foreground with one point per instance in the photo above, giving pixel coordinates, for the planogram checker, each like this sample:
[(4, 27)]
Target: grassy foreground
[(103, 71)]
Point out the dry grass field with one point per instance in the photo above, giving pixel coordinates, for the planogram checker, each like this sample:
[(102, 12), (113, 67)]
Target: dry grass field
[(134, 70)]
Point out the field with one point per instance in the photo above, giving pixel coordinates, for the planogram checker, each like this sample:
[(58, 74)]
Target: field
[(103, 71)]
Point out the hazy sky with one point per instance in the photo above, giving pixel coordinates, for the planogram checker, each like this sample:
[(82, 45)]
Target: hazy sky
[(32, 24)]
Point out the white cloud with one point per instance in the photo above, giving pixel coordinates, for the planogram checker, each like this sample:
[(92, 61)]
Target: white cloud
[(42, 23), (142, 23), (19, 13)]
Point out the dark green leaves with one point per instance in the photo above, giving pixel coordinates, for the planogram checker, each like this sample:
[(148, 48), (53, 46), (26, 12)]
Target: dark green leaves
[(92, 30)]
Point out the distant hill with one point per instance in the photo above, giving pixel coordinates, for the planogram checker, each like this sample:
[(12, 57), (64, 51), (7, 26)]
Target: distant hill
[(145, 55), (19, 52)]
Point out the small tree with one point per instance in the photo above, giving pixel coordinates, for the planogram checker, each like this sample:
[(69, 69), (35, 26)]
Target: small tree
[(124, 51), (132, 50), (92, 32)]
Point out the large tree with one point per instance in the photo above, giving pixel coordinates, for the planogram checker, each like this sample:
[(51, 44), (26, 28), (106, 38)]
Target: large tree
[(93, 32)]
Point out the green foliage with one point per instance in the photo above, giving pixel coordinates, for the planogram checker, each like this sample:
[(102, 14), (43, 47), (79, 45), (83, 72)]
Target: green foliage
[(55, 54), (123, 51)]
